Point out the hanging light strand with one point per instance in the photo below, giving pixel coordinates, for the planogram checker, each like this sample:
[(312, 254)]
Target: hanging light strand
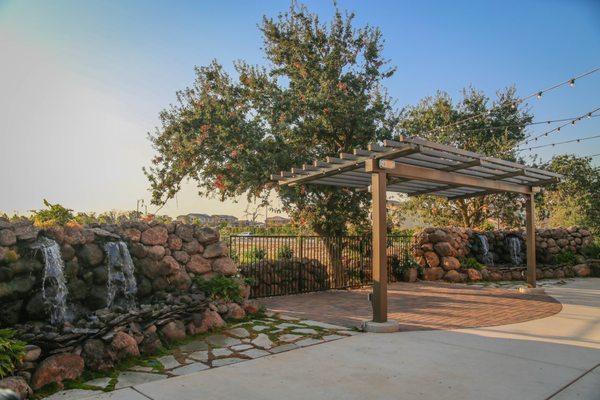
[(564, 142), (571, 122)]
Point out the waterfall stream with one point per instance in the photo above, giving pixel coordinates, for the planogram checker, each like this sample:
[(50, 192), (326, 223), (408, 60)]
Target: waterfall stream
[(54, 289), (121, 280), (514, 250), (487, 257)]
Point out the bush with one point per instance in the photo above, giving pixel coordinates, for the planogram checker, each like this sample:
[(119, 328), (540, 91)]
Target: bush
[(11, 352), (471, 263), (565, 257), (253, 255), (285, 253), (221, 287), (591, 251), (54, 214)]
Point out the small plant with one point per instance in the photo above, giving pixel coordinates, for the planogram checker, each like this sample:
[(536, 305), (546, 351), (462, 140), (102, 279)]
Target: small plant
[(471, 262), (565, 257), (285, 253), (221, 287), (253, 255), (54, 214), (11, 352)]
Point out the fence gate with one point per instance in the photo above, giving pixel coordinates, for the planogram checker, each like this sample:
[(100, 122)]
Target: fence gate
[(279, 265)]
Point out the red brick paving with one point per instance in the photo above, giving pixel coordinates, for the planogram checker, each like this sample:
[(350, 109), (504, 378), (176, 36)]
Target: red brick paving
[(420, 306)]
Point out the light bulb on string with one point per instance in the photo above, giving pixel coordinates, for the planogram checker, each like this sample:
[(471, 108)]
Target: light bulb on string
[(539, 95), (572, 82)]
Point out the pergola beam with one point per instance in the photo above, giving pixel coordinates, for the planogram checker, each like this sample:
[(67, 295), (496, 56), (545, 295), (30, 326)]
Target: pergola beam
[(450, 178)]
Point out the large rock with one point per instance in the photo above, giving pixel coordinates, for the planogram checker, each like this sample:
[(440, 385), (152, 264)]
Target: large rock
[(192, 247), (155, 235), (98, 356), (208, 320), (444, 249), (180, 280), (438, 236), (156, 252), (26, 232), (181, 256), (215, 250), (235, 311), (124, 345), (173, 331), (473, 275), (198, 264), (57, 368), (7, 237), (92, 254), (18, 385), (174, 242), (432, 259), (32, 353), (185, 232), (453, 276), (132, 234), (225, 266), (206, 235), (433, 274), (582, 270), (450, 263)]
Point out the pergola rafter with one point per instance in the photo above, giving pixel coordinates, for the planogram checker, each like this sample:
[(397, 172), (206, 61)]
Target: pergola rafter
[(417, 167)]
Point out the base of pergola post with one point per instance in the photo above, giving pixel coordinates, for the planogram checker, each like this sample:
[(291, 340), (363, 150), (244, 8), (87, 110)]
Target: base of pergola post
[(531, 290), (381, 327)]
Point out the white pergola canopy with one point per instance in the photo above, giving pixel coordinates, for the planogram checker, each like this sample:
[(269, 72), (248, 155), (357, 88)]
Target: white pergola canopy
[(420, 159)]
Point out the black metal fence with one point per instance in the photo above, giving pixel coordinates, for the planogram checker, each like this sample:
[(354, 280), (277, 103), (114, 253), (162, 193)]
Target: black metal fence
[(279, 265)]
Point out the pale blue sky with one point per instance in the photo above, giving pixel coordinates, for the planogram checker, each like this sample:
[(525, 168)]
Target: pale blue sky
[(82, 82)]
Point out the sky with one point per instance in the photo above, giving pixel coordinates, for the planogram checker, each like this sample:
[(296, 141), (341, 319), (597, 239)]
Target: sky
[(83, 82)]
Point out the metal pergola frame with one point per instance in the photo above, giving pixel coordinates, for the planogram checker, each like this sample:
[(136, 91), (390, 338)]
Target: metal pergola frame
[(416, 167)]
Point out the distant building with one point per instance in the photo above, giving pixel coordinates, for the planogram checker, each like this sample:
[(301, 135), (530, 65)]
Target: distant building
[(219, 219), (277, 221), (201, 219)]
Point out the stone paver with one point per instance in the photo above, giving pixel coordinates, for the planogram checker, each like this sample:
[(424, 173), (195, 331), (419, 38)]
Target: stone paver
[(169, 362), (255, 353), (418, 306), (284, 347), (289, 337), (221, 352), (260, 328), (201, 355), (72, 394), (222, 341), (132, 378), (238, 333), (188, 369), (194, 346), (305, 331), (241, 347), (262, 340), (226, 361), (332, 337), (99, 382)]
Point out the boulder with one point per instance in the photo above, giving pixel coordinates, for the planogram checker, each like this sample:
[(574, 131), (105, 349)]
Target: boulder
[(251, 306), (132, 234), (582, 270), (171, 264), (155, 235), (215, 250), (192, 247), (57, 368), (209, 320), (453, 276), (438, 236), (156, 252), (174, 242), (433, 274), (444, 249), (185, 232), (91, 254), (450, 263), (18, 385), (180, 280), (181, 256), (151, 343), (26, 232), (7, 237), (124, 345), (432, 259), (98, 356), (235, 311), (198, 264), (67, 252), (206, 235), (74, 236), (473, 275), (225, 266), (173, 331)]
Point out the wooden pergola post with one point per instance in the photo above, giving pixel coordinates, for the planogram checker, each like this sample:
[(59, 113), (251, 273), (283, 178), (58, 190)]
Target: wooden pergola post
[(530, 226), (379, 240)]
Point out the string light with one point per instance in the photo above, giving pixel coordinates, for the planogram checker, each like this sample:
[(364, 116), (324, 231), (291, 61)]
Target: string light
[(578, 140), (572, 122)]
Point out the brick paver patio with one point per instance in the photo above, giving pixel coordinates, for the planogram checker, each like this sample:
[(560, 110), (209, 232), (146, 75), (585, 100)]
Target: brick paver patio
[(421, 306)]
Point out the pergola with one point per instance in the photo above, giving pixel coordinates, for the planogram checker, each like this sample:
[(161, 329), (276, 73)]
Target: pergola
[(416, 166)]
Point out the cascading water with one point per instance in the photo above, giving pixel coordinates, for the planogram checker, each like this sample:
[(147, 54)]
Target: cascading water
[(514, 249), (120, 275), (54, 289), (487, 257)]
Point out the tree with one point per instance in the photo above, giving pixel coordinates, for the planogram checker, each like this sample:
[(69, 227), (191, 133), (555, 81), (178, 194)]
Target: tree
[(320, 93), (496, 133), (576, 199)]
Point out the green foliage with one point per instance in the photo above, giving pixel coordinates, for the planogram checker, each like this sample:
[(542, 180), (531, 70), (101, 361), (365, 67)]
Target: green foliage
[(565, 257), (253, 255), (221, 287), (400, 264), (591, 251), (320, 93), (53, 214), (471, 263), (496, 135), (575, 201), (285, 252), (11, 256), (11, 352)]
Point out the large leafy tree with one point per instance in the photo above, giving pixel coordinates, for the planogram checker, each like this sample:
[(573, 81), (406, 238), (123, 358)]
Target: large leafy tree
[(318, 94), (490, 127), (576, 199)]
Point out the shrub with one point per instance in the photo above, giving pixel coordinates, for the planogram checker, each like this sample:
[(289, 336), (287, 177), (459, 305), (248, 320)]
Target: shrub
[(54, 214), (471, 263), (285, 253), (591, 251), (221, 287), (253, 255), (11, 352), (565, 257)]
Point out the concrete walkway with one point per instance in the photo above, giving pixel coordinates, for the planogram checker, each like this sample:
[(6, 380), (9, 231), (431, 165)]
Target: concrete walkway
[(557, 357)]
